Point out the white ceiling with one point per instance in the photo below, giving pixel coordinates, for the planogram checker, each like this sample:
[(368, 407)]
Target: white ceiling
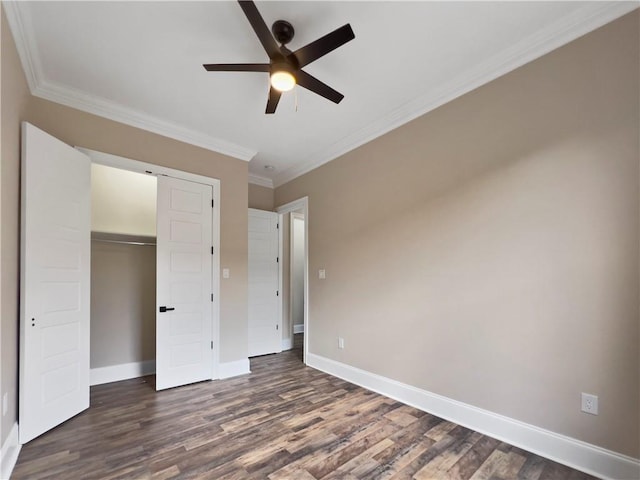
[(141, 63)]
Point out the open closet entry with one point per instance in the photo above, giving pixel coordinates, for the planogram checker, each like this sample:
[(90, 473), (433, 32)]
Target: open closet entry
[(123, 273), (87, 307), (174, 227)]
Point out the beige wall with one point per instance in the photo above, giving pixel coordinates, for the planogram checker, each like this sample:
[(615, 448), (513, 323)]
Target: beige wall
[(490, 247), (15, 98), (123, 303), (82, 129), (260, 197), (123, 201)]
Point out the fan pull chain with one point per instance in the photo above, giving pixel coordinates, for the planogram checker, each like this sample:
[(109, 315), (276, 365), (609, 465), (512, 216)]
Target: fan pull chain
[(296, 95)]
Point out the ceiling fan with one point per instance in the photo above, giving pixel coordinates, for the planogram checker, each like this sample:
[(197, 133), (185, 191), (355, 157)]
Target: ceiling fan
[(285, 66)]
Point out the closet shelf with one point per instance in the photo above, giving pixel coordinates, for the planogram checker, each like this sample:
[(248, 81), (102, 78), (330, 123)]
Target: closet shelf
[(123, 239)]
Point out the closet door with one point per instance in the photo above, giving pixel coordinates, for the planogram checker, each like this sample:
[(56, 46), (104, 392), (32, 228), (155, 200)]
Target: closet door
[(184, 336), (55, 276), (264, 323)]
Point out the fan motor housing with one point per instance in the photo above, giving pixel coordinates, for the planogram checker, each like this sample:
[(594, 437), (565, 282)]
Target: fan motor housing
[(282, 31)]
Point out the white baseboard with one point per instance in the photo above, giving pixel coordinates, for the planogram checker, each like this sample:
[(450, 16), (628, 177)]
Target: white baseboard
[(287, 344), (298, 328), (233, 369), (124, 371), (562, 449), (9, 453)]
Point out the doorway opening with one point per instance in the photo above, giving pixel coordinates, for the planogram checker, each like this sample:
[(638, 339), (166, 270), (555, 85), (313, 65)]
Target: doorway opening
[(294, 275), (186, 209), (123, 274), (55, 250), (296, 279)]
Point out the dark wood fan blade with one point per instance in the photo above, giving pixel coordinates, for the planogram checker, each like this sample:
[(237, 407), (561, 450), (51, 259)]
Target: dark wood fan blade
[(324, 45), (236, 67), (262, 31), (274, 98), (316, 86)]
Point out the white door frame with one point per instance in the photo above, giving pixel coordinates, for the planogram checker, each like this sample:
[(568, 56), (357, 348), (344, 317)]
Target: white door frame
[(123, 163), (300, 204)]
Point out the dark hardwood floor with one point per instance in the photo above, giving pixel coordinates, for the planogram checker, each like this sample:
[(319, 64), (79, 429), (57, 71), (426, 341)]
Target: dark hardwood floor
[(284, 421)]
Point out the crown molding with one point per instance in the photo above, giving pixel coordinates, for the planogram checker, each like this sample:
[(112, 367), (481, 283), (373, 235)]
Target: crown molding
[(40, 87), (25, 43), (561, 32), (261, 181), (119, 113)]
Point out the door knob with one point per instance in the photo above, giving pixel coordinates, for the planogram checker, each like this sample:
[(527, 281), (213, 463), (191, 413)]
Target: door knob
[(166, 309)]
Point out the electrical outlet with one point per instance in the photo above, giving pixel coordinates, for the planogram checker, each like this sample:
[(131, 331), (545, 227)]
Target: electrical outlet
[(589, 403), (5, 403), (225, 273), (340, 342)]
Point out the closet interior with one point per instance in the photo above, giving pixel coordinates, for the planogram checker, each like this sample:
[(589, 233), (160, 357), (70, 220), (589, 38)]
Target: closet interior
[(123, 268)]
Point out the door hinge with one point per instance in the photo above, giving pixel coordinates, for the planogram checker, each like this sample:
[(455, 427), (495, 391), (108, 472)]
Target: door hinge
[(277, 226), (277, 259), (212, 203), (211, 250), (277, 293), (212, 297), (277, 327), (211, 344)]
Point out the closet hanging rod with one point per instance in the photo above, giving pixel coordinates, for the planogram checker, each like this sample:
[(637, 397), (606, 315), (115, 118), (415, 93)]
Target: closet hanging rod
[(125, 242)]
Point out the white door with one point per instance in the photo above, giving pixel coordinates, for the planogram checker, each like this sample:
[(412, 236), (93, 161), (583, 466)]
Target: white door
[(264, 324), (55, 288), (184, 334)]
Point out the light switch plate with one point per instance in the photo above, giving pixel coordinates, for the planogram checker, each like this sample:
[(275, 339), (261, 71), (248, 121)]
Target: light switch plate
[(225, 273), (322, 274)]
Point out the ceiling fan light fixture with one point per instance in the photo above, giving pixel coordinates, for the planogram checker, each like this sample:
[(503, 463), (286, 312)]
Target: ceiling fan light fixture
[(282, 80)]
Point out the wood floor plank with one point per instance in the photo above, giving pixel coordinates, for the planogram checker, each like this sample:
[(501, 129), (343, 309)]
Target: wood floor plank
[(284, 421)]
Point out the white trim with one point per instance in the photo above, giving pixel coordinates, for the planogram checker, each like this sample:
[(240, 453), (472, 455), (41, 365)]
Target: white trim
[(25, 44), (233, 369), (128, 116), (133, 165), (123, 371), (124, 163), (569, 451), (287, 344), (9, 453), (300, 204), (261, 181), (561, 32), (298, 329)]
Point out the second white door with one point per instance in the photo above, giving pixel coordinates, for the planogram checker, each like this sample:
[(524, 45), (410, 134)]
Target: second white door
[(184, 334), (55, 286), (264, 325)]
